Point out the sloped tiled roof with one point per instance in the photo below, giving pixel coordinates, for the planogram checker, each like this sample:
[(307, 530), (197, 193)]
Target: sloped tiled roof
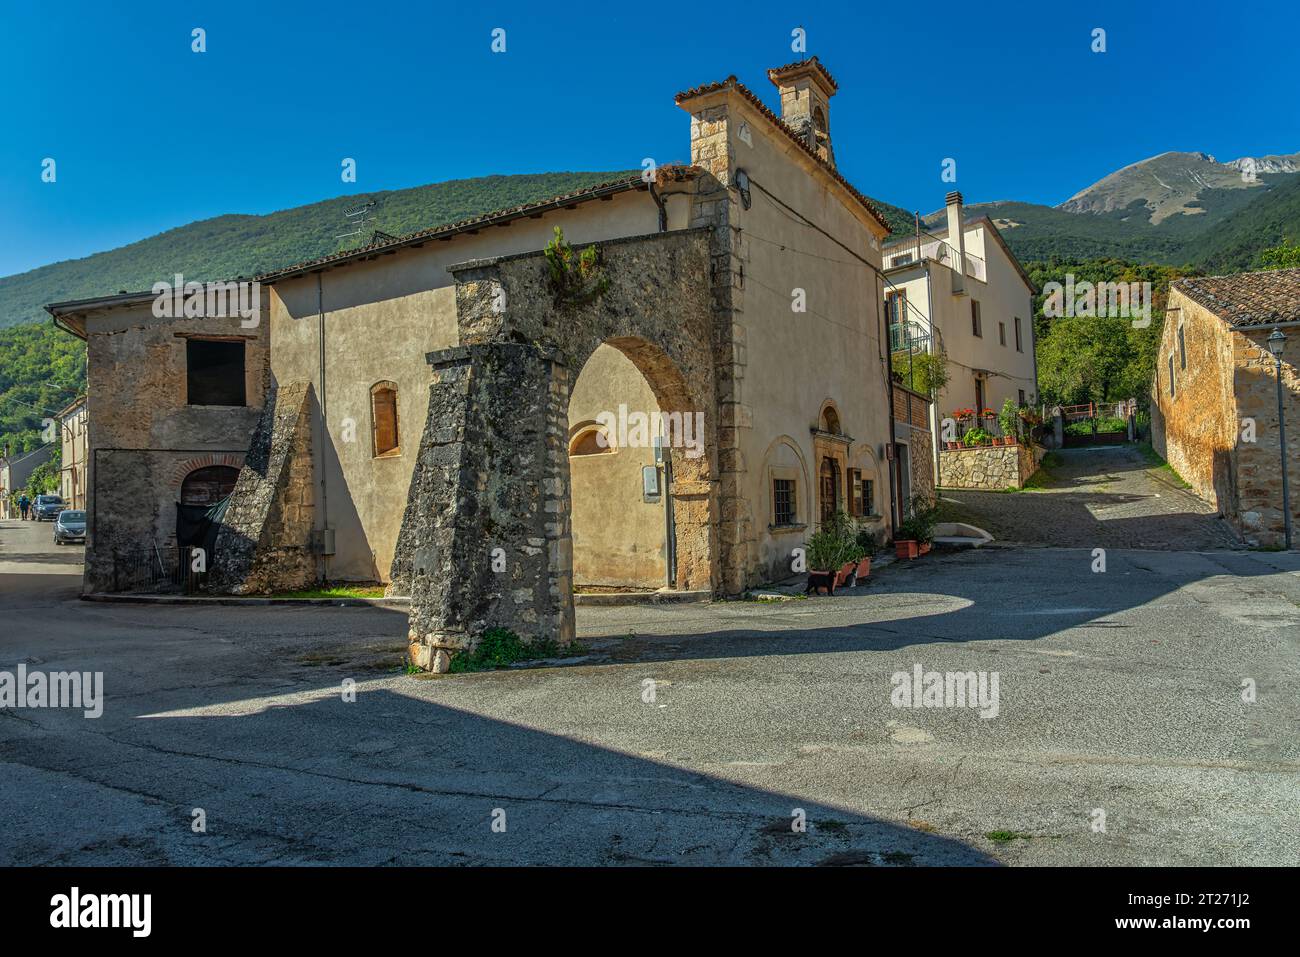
[(1248, 298), (666, 173), (731, 83)]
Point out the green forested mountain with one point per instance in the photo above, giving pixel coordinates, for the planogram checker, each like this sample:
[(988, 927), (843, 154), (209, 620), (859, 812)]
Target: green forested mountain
[(235, 245), (1228, 233)]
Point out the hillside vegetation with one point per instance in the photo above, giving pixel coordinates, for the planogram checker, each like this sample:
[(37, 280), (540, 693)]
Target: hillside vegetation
[(237, 245)]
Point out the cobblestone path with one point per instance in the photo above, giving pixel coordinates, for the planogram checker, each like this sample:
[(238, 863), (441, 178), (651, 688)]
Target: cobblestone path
[(1107, 497)]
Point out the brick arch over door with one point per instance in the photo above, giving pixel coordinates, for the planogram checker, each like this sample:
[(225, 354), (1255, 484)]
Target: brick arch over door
[(493, 463), (182, 469)]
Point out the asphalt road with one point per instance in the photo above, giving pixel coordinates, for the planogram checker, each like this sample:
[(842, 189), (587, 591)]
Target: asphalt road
[(1120, 694)]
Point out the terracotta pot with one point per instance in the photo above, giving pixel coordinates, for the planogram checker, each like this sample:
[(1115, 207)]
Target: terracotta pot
[(864, 567), (906, 548), (842, 576)]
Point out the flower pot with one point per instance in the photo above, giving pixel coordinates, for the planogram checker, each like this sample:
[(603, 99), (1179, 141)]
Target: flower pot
[(907, 548), (950, 445), (842, 576), (864, 567)]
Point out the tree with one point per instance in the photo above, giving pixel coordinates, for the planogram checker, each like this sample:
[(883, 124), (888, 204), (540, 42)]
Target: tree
[(1285, 256)]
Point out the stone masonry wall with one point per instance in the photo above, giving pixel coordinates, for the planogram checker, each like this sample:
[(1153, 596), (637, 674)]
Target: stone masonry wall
[(990, 467), (486, 538), (265, 541), (1255, 467)]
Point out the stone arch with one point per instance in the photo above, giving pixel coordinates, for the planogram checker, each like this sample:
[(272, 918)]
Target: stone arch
[(828, 418), (492, 474), (591, 438), (691, 554), (783, 453)]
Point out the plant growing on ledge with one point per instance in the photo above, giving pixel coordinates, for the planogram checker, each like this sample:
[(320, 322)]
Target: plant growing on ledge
[(576, 278), (930, 373)]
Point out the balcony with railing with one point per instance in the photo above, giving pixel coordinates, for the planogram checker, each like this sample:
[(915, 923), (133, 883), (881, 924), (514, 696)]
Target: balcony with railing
[(934, 249)]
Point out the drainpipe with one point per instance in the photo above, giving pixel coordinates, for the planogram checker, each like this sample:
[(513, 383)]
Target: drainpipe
[(326, 548), (663, 209), (889, 387), (670, 528)]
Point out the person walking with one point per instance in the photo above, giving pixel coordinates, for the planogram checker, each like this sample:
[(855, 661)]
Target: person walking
[(23, 504)]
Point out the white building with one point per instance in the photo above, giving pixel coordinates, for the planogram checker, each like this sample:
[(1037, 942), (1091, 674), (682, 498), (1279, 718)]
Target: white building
[(961, 290)]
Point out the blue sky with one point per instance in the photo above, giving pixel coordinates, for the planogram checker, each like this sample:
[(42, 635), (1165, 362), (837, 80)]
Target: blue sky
[(148, 135)]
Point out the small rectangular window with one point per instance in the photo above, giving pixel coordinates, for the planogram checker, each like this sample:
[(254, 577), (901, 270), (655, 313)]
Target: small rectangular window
[(975, 327), (1002, 333), (783, 504), (1172, 389), (1019, 343), (214, 372), (1021, 392), (1182, 350)]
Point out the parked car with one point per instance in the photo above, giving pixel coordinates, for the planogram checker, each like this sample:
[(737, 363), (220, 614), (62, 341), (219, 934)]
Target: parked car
[(48, 507), (70, 526)]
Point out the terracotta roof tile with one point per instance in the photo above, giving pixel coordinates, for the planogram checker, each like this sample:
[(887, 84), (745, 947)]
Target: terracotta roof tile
[(812, 61), (1248, 298), (384, 243), (731, 83)]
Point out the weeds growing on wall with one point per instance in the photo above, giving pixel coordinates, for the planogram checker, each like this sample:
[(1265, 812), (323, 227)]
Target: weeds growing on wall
[(577, 278)]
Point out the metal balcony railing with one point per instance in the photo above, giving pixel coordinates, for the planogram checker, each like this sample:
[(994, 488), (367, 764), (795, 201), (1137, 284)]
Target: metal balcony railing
[(937, 250)]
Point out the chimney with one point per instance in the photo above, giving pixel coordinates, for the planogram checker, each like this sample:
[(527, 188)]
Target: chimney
[(956, 240), (806, 88)]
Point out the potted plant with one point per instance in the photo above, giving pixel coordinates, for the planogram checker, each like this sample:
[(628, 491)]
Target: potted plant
[(866, 545), (977, 436), (838, 554), (915, 536), (822, 551), (1009, 421)]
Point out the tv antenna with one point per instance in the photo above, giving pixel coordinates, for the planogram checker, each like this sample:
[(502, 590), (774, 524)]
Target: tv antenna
[(358, 217)]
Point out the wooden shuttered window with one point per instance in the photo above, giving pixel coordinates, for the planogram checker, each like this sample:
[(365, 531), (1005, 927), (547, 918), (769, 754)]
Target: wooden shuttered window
[(383, 408)]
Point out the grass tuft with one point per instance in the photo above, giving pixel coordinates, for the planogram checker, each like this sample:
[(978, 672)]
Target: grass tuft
[(501, 648)]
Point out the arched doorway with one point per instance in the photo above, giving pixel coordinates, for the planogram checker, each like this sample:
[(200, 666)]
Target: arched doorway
[(208, 485), (201, 491), (675, 485), (619, 519)]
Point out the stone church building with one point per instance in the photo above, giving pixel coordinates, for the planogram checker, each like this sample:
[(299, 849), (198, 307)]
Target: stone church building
[(488, 427)]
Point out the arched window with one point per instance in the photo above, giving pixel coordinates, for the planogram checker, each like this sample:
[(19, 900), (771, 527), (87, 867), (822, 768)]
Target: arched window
[(590, 440), (383, 418), (830, 421), (208, 485)]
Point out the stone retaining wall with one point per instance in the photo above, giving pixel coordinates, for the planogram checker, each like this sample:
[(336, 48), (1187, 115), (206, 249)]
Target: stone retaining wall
[(989, 467)]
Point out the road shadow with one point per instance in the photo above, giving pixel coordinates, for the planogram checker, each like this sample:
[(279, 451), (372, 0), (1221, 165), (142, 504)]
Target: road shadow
[(396, 779)]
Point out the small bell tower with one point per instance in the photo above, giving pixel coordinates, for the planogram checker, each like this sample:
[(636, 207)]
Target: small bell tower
[(806, 89)]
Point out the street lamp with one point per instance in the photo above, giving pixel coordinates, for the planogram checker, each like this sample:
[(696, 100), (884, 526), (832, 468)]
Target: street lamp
[(1275, 343)]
